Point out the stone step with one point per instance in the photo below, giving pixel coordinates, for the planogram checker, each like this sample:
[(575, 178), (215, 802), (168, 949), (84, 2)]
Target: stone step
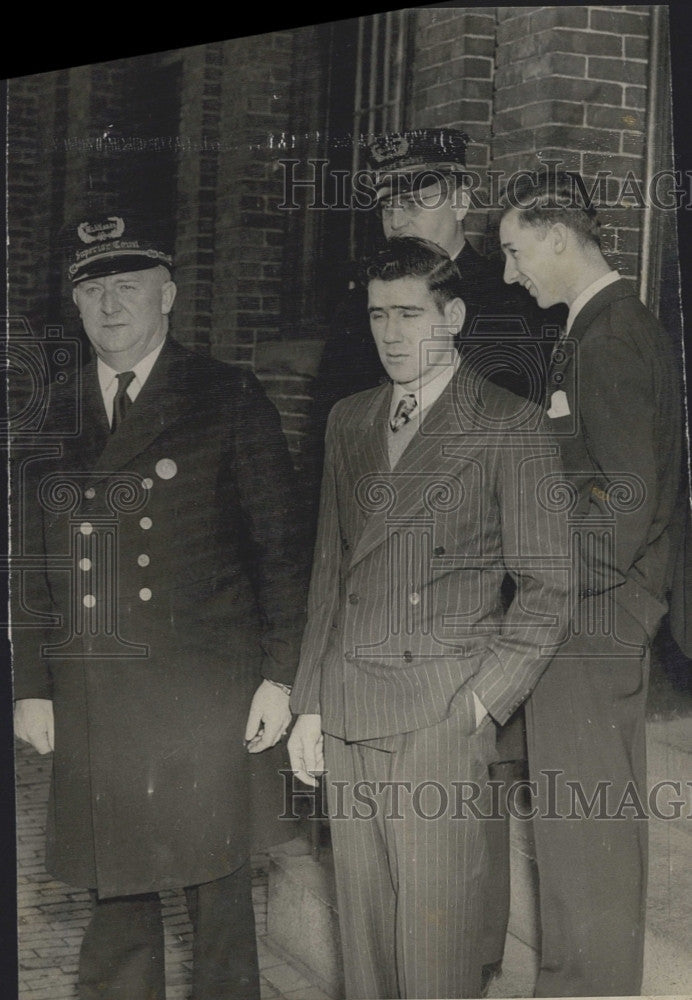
[(302, 920)]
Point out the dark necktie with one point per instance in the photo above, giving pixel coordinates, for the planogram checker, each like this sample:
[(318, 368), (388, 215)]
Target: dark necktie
[(122, 402), (407, 405)]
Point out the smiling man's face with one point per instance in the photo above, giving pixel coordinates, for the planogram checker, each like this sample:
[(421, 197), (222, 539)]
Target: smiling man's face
[(530, 259), (412, 333)]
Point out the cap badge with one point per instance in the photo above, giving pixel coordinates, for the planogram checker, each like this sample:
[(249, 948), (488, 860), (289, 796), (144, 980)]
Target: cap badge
[(389, 147), (95, 232)]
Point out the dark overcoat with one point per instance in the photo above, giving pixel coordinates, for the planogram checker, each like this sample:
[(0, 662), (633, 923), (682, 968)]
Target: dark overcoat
[(167, 561)]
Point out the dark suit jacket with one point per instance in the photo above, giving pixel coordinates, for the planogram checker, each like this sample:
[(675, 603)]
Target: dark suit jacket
[(405, 613), (621, 446), (180, 530)]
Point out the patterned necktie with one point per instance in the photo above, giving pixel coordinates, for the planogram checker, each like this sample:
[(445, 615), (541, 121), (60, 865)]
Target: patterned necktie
[(407, 405), (122, 402)]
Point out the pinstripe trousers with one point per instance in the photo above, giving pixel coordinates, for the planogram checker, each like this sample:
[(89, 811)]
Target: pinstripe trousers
[(410, 859)]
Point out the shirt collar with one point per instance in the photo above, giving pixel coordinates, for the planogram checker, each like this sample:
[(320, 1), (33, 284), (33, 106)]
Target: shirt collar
[(426, 394), (593, 289), (142, 370)]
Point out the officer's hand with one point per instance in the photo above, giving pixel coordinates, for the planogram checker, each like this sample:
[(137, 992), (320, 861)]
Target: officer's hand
[(33, 723), (306, 748), (269, 717)]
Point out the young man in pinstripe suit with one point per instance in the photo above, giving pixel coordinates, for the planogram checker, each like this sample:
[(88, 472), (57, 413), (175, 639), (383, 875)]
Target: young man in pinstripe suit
[(434, 486)]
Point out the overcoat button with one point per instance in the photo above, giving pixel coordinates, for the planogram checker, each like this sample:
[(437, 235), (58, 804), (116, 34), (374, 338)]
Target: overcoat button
[(90, 493), (166, 468), (145, 594), (89, 601), (147, 483), (145, 523), (85, 564), (86, 528), (143, 559)]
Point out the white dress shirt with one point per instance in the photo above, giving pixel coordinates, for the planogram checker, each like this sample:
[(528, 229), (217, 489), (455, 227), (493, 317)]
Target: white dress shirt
[(593, 289), (108, 379), (426, 394)]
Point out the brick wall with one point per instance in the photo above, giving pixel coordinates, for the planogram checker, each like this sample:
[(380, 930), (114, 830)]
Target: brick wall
[(452, 82), (561, 82), (29, 130), (570, 85), (250, 230), (199, 135)]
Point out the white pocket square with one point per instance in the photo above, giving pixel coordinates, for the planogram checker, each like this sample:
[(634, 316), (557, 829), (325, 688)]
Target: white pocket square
[(559, 407)]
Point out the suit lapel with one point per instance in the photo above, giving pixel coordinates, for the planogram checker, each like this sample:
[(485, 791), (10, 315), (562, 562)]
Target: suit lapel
[(410, 480), (614, 292), (369, 453), (561, 366), (161, 402)]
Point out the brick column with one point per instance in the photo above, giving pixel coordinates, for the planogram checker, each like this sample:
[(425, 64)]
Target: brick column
[(200, 140), (570, 85), (250, 231), (452, 83)]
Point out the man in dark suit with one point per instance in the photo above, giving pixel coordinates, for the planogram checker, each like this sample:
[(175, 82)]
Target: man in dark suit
[(429, 495), (614, 406), (423, 189), (158, 625)]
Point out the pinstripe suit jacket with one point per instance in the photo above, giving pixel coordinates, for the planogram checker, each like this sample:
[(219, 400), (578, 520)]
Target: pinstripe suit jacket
[(405, 614)]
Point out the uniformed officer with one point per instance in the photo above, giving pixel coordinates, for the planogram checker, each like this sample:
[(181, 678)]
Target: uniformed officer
[(167, 564)]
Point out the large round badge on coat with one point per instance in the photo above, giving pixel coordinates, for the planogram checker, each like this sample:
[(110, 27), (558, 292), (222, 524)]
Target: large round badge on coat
[(166, 468)]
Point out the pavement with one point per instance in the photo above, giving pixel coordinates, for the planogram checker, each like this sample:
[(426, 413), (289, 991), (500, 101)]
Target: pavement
[(51, 917)]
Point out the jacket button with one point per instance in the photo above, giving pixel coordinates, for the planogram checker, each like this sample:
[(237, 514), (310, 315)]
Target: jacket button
[(86, 528), (89, 601), (143, 559), (166, 468), (85, 565), (408, 655), (147, 483), (439, 550), (90, 493), (353, 598), (145, 594), (349, 656), (145, 523)]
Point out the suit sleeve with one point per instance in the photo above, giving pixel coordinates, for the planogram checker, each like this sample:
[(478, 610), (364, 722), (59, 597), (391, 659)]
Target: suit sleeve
[(618, 417), (323, 599), (535, 546), (273, 510)]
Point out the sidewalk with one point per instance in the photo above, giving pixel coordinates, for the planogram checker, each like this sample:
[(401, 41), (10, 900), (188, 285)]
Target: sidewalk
[(52, 917)]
